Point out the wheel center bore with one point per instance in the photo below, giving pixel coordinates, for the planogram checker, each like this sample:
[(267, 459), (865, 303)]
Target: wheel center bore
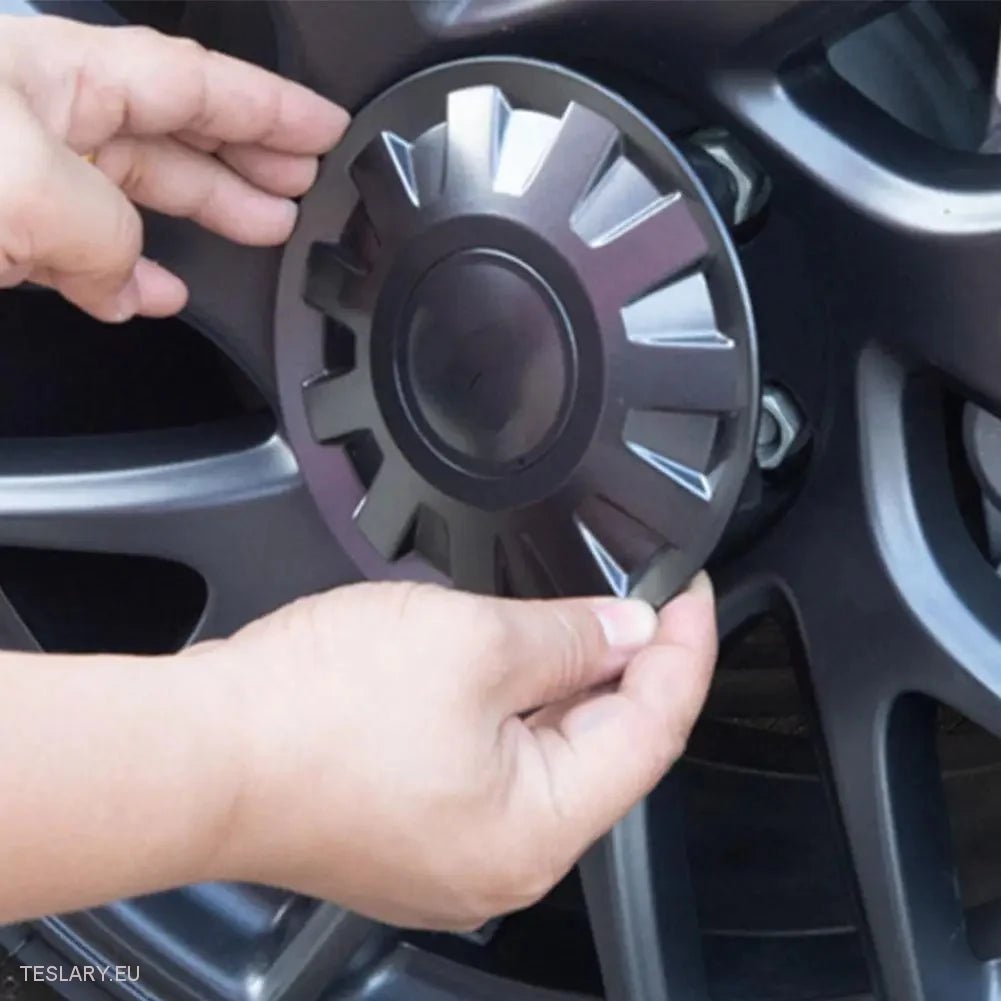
[(486, 364)]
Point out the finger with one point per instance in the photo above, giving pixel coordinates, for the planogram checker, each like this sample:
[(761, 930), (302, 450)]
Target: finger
[(686, 621), (552, 714), (280, 173), (288, 174), (60, 216), (140, 82), (158, 292), (205, 143), (553, 649), (170, 177), (608, 752), (161, 292)]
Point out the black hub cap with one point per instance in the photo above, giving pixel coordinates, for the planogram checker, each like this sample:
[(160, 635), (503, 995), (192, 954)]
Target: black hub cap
[(513, 344)]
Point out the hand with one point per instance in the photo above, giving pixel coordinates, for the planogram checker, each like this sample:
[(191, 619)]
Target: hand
[(432, 758), (96, 119)]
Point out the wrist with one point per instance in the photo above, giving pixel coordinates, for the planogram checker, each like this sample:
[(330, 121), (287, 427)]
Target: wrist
[(128, 776), (221, 718)]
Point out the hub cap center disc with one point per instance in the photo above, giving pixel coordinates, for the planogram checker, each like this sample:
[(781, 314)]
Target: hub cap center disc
[(486, 365)]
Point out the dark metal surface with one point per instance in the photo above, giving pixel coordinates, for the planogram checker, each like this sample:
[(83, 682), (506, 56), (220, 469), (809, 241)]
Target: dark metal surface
[(877, 264)]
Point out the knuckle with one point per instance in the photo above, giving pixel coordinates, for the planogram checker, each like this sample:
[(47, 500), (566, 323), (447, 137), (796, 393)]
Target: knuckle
[(573, 646), (188, 47), (493, 627), (188, 58), (142, 36), (26, 173), (408, 599), (24, 179), (491, 633), (124, 163), (125, 239)]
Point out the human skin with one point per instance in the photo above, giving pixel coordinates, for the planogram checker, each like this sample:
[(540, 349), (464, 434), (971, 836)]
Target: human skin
[(424, 756)]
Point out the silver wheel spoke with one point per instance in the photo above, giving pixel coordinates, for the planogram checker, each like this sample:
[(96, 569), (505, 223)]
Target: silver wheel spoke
[(240, 517)]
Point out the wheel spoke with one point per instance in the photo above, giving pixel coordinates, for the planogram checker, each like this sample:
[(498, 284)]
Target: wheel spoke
[(194, 497), (903, 630), (922, 542), (415, 975), (879, 749), (764, 36), (327, 943), (917, 227), (683, 37), (230, 291), (276, 945), (648, 945)]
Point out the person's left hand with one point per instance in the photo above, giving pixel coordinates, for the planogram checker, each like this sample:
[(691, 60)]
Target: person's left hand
[(96, 119)]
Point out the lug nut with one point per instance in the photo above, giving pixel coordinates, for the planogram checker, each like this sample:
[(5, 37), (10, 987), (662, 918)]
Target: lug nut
[(751, 185), (780, 428)]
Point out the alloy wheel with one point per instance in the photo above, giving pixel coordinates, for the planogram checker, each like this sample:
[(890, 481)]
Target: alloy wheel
[(873, 277)]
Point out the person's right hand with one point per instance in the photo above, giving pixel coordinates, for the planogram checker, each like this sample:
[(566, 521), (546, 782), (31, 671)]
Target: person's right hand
[(98, 120), (433, 758)]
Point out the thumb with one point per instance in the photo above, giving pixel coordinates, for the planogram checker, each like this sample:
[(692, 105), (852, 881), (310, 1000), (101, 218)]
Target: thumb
[(63, 224), (554, 649), (608, 751)]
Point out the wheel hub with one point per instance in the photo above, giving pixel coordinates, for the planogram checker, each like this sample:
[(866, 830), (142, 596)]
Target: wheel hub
[(513, 343)]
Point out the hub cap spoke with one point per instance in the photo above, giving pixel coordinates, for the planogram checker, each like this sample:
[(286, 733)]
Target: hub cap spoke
[(14, 634), (384, 175), (642, 251), (586, 142)]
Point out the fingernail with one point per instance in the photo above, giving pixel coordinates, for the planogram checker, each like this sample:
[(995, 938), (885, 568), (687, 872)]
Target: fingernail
[(291, 212), (701, 583), (627, 623)]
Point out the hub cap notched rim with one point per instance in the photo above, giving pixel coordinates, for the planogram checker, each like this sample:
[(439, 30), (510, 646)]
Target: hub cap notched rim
[(512, 331)]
